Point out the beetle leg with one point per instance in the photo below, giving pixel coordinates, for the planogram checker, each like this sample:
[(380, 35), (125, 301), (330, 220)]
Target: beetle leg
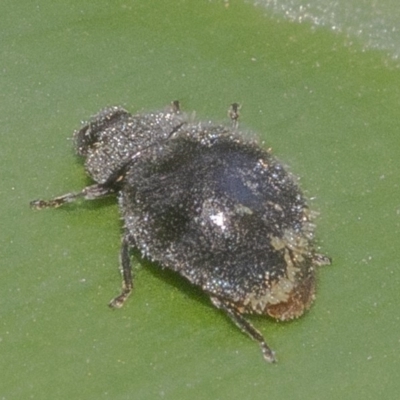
[(126, 272), (233, 113), (91, 192), (246, 327)]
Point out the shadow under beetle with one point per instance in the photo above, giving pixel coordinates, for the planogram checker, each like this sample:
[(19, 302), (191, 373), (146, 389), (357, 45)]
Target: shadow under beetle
[(205, 201)]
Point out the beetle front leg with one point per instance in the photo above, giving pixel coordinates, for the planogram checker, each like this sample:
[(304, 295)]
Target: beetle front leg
[(91, 192)]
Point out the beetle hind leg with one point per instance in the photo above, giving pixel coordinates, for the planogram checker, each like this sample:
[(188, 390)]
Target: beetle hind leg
[(246, 327)]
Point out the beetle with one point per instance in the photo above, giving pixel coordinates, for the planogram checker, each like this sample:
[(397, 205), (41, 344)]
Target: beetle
[(207, 201)]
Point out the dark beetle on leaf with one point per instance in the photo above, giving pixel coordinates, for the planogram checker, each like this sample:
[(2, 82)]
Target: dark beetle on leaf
[(207, 202)]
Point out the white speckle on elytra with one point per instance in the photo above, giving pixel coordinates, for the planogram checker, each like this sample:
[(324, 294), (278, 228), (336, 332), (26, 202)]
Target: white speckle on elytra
[(219, 220)]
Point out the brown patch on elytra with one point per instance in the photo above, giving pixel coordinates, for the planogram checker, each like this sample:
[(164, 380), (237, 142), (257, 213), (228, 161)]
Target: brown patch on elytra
[(300, 300)]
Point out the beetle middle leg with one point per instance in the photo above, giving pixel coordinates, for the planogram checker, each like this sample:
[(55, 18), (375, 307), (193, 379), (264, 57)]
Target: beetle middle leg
[(233, 113), (126, 272)]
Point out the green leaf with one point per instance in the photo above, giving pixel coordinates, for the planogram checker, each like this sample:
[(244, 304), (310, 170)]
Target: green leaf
[(328, 105)]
